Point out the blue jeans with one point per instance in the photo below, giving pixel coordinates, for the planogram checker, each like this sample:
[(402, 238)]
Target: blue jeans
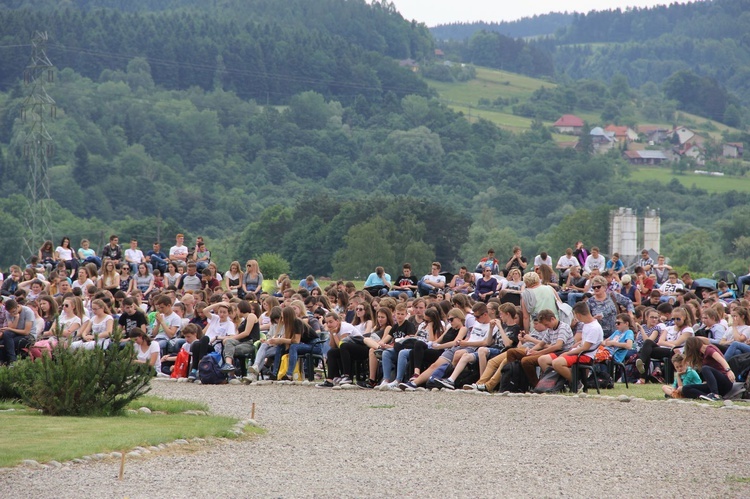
[(741, 283), (403, 363), (387, 361), (736, 348), (201, 265), (426, 289), (297, 349), (574, 298), (159, 263), (95, 260), (396, 292), (10, 340)]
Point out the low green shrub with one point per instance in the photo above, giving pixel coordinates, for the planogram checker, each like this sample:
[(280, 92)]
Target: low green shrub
[(7, 387), (98, 382)]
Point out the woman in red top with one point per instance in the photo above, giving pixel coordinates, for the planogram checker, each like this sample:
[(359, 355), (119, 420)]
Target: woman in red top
[(718, 378)]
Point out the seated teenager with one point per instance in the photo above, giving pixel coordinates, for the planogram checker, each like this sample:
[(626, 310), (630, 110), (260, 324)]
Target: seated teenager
[(346, 345), (248, 332), (264, 349), (402, 336), (97, 331), (480, 335), (438, 352), (549, 335), (432, 282), (671, 339), (592, 336)]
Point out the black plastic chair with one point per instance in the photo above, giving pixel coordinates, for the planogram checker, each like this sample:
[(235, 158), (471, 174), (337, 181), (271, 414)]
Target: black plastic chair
[(309, 361), (613, 368), (576, 370)]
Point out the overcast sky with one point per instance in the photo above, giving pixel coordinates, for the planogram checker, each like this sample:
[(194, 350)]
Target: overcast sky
[(432, 12)]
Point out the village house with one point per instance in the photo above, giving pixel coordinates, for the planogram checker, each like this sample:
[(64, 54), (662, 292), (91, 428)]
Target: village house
[(732, 150), (623, 134), (569, 123), (645, 157), (601, 140)]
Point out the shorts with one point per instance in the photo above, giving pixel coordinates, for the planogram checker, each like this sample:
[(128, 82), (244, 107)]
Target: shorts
[(494, 352), (449, 353), (571, 359)]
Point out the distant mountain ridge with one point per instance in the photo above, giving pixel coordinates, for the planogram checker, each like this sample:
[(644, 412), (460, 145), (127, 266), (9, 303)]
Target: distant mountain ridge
[(539, 25)]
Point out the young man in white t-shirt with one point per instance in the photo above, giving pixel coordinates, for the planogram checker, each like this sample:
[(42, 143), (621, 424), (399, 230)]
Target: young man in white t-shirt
[(167, 324), (179, 251), (433, 282), (134, 256), (591, 338)]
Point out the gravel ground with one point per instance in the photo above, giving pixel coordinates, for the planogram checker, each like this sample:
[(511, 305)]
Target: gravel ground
[(362, 443)]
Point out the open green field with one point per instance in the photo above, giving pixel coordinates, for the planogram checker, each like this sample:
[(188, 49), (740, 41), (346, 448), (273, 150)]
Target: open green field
[(710, 184)]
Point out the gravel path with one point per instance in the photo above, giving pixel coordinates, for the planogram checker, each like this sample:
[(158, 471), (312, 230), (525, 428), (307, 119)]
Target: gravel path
[(326, 443)]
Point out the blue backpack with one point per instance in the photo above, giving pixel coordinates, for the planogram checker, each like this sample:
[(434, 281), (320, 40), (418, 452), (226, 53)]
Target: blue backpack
[(209, 370)]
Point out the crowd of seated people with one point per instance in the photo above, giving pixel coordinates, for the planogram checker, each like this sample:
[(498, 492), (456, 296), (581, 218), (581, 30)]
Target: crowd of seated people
[(441, 330)]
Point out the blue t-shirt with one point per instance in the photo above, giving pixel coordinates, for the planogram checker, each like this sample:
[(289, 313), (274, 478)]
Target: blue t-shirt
[(618, 354)]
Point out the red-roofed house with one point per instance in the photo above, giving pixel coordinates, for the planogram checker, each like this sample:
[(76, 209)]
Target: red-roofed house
[(569, 123), (623, 134)]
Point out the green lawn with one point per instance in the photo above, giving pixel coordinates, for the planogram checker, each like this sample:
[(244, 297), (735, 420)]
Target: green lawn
[(710, 184), (489, 84), (45, 438)]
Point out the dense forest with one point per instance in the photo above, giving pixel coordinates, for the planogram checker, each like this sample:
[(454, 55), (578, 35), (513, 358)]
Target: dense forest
[(335, 179), (538, 25)]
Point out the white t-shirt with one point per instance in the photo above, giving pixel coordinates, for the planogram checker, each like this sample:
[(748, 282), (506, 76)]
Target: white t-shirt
[(134, 255), (65, 253), (171, 320), (669, 288), (594, 334), (434, 279), (85, 285), (566, 262), (538, 261), (347, 329), (673, 333), (178, 251), (479, 332), (146, 356), (594, 263), (217, 329)]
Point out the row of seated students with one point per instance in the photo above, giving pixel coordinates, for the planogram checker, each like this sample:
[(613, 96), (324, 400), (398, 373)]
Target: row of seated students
[(356, 331)]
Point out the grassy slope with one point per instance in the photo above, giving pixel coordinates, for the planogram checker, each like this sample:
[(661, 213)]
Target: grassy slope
[(491, 84)]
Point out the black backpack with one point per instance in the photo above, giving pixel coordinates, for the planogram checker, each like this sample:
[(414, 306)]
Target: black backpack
[(605, 380), (209, 370), (513, 378), (550, 382), (469, 375)]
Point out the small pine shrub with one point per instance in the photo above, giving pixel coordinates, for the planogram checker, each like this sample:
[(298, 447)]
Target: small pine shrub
[(98, 382), (7, 385)]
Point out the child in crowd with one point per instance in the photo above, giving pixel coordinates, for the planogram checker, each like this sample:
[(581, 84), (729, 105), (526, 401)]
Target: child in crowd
[(686, 375)]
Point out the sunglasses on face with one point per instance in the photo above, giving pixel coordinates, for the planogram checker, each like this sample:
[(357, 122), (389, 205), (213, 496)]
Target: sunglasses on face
[(619, 322), (596, 287)]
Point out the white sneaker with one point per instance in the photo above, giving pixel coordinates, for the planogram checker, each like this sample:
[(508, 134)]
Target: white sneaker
[(253, 370), (382, 386), (393, 384)]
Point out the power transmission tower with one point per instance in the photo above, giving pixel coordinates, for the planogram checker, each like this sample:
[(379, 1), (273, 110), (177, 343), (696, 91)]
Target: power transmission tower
[(38, 146)]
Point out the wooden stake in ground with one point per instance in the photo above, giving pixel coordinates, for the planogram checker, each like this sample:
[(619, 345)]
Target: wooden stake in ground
[(122, 465), (252, 414)]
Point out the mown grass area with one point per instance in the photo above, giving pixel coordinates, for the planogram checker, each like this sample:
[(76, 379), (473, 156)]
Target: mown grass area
[(710, 184), (170, 406), (491, 84), (43, 438)]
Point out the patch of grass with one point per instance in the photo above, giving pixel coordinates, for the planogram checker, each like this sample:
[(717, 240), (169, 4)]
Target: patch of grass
[(710, 184), (45, 438), (170, 406), (489, 84), (11, 404), (738, 479), (382, 406)]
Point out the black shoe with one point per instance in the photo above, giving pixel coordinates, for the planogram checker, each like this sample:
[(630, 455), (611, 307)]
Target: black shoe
[(325, 384), (447, 383)]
